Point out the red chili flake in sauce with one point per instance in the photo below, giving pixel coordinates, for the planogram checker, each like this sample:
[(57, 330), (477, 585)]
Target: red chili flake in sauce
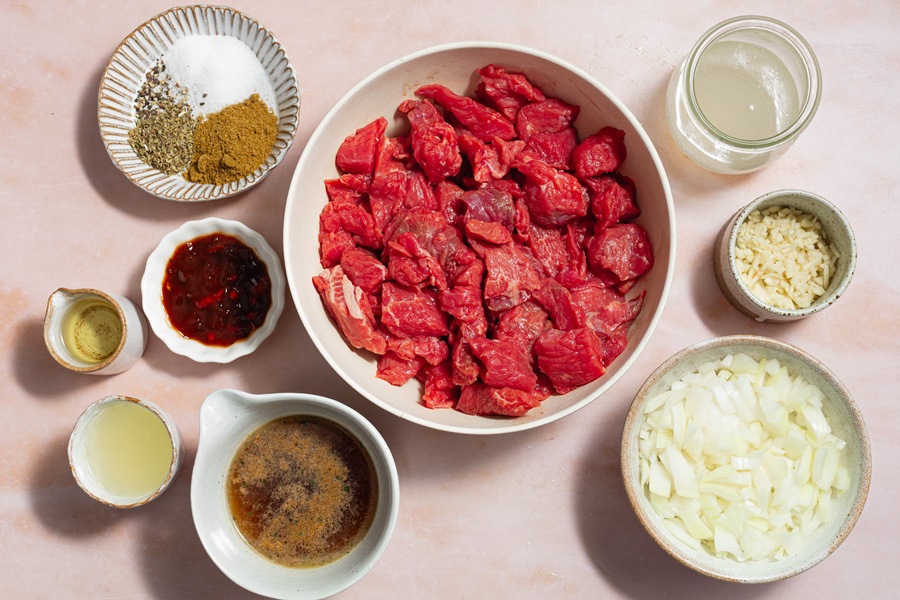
[(216, 290)]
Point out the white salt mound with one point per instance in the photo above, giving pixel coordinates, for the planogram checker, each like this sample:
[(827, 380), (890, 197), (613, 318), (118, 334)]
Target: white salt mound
[(217, 71)]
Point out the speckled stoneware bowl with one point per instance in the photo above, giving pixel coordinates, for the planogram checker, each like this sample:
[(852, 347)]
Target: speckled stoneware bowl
[(227, 417), (155, 272), (839, 408), (837, 233), (139, 52), (78, 450), (454, 65)]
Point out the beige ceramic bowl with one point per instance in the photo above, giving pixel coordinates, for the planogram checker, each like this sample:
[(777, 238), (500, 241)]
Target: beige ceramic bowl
[(839, 408), (837, 232), (125, 73), (454, 66)]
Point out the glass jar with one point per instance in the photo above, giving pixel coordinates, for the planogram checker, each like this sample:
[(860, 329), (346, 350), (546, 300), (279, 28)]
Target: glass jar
[(745, 92)]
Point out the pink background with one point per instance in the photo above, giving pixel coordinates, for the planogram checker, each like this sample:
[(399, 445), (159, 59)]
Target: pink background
[(540, 514)]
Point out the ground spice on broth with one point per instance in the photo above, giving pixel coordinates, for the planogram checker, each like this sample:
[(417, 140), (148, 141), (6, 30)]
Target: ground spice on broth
[(302, 491)]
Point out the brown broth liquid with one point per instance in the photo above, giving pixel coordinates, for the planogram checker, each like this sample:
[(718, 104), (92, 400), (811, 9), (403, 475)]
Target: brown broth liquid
[(302, 491)]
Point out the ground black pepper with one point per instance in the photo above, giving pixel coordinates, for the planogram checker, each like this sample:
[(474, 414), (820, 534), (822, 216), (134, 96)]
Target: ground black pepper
[(163, 135)]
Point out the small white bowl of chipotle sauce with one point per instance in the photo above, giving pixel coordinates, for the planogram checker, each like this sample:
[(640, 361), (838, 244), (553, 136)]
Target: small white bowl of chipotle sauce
[(213, 290), (228, 483)]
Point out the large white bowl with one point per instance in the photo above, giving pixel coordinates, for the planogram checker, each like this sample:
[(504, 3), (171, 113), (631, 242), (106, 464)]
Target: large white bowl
[(455, 66), (227, 417)]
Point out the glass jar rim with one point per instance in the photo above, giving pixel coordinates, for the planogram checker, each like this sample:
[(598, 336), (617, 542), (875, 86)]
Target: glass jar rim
[(796, 41)]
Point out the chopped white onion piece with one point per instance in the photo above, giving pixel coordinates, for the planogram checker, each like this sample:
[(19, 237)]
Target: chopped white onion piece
[(739, 459)]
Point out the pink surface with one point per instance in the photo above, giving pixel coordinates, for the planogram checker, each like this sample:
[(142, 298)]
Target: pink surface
[(540, 514)]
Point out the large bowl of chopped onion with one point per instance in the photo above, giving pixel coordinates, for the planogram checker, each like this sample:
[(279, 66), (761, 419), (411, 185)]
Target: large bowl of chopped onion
[(434, 272), (746, 459)]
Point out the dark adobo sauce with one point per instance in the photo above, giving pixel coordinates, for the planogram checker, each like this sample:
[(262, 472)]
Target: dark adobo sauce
[(216, 290)]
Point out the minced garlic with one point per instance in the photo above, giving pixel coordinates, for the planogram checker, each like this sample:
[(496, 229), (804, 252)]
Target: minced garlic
[(783, 257)]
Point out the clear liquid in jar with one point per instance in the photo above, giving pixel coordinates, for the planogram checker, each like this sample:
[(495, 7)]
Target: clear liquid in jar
[(745, 91)]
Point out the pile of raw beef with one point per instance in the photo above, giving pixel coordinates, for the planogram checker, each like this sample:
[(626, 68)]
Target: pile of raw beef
[(488, 251)]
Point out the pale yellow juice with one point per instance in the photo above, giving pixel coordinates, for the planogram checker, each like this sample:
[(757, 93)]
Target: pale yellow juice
[(92, 330), (129, 450), (745, 91)]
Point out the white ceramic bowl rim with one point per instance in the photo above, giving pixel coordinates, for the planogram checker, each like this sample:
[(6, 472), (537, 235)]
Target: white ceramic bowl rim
[(754, 572), (504, 425), (227, 417), (844, 273), (154, 274)]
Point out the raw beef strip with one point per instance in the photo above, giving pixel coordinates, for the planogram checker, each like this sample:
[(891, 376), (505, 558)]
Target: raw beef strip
[(488, 161), (549, 248), (463, 302), (349, 306), (396, 370), (510, 275), (440, 391), (553, 197), (623, 250), (482, 231), (550, 116), (570, 358), (556, 149), (507, 92), (612, 200), (614, 344), (390, 181), (411, 312), (471, 274), (448, 196), (481, 399), (332, 245), (363, 269), (410, 264), (438, 238), (600, 153), (484, 122), (465, 368), (558, 301), (434, 142), (356, 153), (605, 307), (419, 193), (522, 324), (505, 364), (433, 349), (348, 186), (490, 205)]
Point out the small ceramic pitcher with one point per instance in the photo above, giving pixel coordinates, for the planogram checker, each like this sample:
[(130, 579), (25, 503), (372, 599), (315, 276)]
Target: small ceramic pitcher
[(89, 331)]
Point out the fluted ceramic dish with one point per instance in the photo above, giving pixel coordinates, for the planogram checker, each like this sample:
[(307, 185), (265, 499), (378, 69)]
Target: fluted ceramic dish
[(454, 65), (843, 416), (139, 52), (227, 417), (154, 275)]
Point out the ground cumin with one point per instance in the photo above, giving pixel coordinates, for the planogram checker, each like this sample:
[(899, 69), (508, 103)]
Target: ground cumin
[(232, 143)]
